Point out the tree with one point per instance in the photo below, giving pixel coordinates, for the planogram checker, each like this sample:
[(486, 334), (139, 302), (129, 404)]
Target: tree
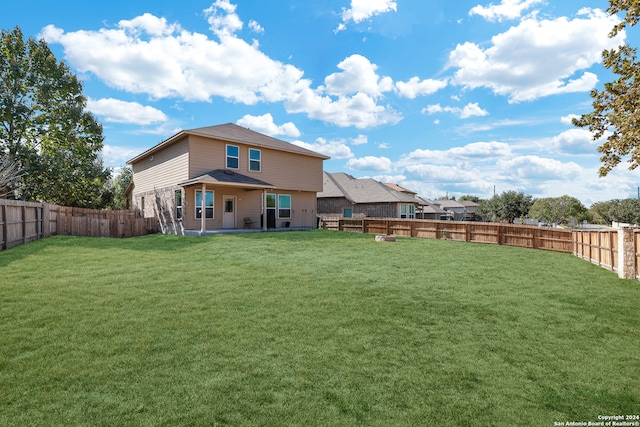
[(507, 206), (9, 175), (558, 210), (471, 198), (625, 210), (45, 128), (616, 109), (117, 186)]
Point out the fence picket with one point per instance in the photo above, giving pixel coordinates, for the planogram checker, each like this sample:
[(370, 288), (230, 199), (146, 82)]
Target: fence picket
[(23, 222)]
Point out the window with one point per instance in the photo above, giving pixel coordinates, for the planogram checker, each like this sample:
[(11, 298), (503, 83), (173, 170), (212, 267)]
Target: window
[(208, 204), (271, 201), (347, 212), (412, 211), (233, 156), (284, 206), (403, 211), (179, 204), (254, 160)]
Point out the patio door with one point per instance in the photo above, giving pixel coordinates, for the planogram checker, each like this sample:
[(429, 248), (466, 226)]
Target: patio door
[(229, 212)]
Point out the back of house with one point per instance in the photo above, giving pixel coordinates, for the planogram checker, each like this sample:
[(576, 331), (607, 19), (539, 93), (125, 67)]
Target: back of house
[(225, 177)]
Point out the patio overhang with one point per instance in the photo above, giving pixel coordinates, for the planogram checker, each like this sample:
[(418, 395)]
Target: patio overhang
[(228, 178)]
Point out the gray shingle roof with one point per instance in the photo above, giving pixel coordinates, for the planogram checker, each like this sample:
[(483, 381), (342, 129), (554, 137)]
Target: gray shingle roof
[(225, 176), (361, 190)]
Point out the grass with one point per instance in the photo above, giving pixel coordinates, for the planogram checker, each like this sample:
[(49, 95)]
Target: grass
[(310, 328)]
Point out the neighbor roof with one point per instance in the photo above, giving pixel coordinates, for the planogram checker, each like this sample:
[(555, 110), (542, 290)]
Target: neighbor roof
[(362, 190), (232, 133)]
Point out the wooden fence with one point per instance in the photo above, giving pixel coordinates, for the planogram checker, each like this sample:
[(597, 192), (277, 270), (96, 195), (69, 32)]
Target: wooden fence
[(24, 222), (550, 239), (598, 247)]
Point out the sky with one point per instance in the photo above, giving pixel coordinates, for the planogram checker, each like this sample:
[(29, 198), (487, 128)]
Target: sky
[(446, 98)]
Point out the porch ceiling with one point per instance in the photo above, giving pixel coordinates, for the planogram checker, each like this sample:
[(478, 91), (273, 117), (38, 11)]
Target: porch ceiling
[(228, 178)]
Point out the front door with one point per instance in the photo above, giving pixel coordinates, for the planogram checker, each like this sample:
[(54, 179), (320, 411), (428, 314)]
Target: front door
[(229, 214)]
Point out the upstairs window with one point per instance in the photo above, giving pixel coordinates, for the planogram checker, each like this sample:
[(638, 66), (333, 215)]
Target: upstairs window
[(233, 157), (255, 159)]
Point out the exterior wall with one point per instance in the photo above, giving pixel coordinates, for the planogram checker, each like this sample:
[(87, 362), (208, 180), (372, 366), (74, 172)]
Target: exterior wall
[(163, 169), (156, 200), (286, 171), (249, 205), (335, 206)]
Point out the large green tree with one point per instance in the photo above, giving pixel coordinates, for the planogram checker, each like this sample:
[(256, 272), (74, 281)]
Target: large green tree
[(558, 210), (625, 210), (506, 207), (616, 109), (45, 128)]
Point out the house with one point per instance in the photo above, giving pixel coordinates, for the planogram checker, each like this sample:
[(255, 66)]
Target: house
[(346, 196), (463, 210), (226, 177), (426, 208)]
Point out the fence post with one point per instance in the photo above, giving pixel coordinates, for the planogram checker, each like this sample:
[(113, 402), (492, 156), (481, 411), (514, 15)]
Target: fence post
[(626, 253), (24, 224), (3, 209)]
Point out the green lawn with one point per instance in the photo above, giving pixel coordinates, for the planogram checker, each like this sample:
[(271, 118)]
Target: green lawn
[(311, 328)]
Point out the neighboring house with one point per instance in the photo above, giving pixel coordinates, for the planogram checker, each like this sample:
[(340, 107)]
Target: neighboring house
[(347, 197), (225, 177), (432, 211), (463, 210), (426, 208)]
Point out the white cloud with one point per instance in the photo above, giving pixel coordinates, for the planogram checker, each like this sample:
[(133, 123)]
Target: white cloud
[(361, 10), (264, 124), (222, 18), (507, 9), (537, 58), (360, 110), (380, 164), (574, 141), (115, 156), (334, 149), (469, 110), (117, 111), (534, 167), (358, 76), (256, 27), (414, 87), (567, 120), (148, 55), (477, 151), (359, 140)]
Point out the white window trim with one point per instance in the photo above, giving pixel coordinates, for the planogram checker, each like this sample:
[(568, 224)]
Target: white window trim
[(253, 160), (198, 206), (227, 156), (278, 206)]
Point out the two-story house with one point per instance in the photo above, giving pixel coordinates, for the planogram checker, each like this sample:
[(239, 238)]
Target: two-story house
[(225, 177)]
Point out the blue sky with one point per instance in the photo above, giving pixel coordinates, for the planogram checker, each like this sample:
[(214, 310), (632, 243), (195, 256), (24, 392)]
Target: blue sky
[(442, 97)]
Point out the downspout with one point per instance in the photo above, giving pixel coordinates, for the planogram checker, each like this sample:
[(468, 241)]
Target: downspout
[(203, 214), (264, 209)]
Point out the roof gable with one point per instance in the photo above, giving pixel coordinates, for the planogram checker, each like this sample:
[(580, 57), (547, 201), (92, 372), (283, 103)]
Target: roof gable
[(230, 132)]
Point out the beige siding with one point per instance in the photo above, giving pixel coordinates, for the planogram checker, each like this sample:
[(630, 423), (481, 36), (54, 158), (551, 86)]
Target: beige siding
[(284, 170), (206, 155), (164, 168), (249, 205)]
